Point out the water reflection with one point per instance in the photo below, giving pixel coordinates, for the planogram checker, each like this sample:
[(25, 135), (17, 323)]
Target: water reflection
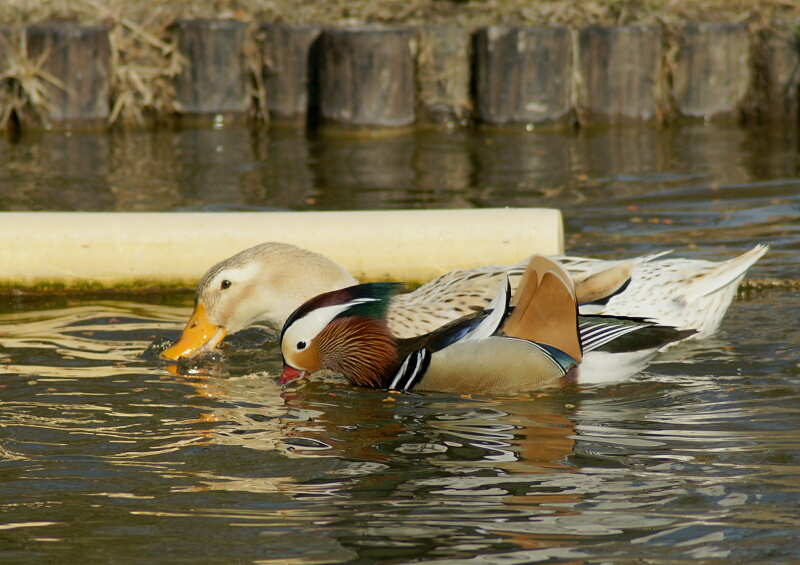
[(55, 172), (273, 178), (236, 168), (331, 419)]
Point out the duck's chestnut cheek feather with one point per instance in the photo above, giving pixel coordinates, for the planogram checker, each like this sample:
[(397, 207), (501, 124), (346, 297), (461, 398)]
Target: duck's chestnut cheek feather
[(290, 374)]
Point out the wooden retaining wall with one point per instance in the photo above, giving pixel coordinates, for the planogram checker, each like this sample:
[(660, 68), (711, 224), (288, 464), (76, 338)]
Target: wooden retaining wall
[(394, 78), (215, 78)]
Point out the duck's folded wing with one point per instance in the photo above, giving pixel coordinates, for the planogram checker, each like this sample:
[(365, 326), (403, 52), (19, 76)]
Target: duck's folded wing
[(601, 286), (619, 335), (478, 325)]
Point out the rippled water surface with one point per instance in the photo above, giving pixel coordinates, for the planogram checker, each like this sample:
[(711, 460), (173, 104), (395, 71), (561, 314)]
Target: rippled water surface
[(108, 455)]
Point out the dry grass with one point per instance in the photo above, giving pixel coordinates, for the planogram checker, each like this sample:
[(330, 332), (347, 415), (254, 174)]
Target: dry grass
[(145, 61), (25, 87), (470, 13)]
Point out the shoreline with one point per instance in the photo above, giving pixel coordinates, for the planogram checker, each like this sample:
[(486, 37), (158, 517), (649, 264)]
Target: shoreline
[(561, 64)]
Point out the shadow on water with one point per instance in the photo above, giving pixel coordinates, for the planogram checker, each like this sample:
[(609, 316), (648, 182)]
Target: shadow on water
[(109, 455)]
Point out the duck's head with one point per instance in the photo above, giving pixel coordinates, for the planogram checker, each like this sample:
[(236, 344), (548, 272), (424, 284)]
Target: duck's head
[(343, 331), (262, 284)]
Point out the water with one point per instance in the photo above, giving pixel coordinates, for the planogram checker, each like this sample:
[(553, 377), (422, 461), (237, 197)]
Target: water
[(108, 455)]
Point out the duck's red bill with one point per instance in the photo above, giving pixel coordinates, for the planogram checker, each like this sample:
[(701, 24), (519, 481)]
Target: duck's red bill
[(290, 374)]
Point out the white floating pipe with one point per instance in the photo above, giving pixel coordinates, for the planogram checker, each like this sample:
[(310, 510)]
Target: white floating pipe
[(77, 250)]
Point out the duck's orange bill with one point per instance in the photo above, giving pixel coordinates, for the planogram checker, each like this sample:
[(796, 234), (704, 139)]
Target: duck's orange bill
[(198, 336), (290, 374)]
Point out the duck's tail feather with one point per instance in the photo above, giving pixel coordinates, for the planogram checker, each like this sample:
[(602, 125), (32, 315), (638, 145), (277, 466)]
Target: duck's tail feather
[(724, 274)]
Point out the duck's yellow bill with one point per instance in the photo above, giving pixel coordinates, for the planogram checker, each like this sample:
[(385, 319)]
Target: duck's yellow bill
[(198, 336)]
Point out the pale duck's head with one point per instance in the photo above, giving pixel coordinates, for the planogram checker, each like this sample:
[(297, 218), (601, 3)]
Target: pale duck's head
[(262, 284)]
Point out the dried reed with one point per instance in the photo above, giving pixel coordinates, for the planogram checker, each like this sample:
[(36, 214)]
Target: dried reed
[(25, 87)]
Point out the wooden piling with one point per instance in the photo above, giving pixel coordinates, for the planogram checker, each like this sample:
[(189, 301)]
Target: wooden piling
[(366, 77), (75, 70), (522, 75), (617, 74), (444, 74), (393, 77), (286, 51), (215, 80), (777, 74), (12, 121), (712, 73)]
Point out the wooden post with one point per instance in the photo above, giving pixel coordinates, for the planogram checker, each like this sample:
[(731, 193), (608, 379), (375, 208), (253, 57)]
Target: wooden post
[(618, 71), (286, 70), (9, 41), (366, 77), (778, 74), (712, 73), (444, 72), (12, 128), (215, 81), (78, 57), (523, 75)]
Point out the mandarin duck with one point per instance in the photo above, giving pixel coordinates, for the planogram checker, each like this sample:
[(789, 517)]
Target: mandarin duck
[(265, 283), (518, 343)]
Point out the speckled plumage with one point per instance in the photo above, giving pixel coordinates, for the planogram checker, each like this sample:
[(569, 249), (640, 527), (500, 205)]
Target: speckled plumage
[(683, 293), (264, 284)]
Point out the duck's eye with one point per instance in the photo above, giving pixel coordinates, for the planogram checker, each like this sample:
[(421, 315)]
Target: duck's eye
[(301, 345), (225, 284)]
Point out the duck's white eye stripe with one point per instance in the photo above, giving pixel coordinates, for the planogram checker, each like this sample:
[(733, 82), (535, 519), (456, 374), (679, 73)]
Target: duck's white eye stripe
[(321, 317), (357, 301), (306, 328), (237, 274)]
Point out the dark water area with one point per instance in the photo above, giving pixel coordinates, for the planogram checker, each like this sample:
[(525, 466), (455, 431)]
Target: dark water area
[(108, 455)]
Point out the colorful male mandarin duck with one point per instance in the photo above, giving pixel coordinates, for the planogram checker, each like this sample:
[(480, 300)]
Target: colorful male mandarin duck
[(526, 343), (265, 283)]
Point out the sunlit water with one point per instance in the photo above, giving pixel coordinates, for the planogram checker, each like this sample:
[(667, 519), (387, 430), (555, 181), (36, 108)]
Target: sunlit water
[(108, 455)]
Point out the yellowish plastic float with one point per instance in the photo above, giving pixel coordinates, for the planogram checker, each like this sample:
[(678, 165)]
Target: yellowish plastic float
[(112, 250)]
